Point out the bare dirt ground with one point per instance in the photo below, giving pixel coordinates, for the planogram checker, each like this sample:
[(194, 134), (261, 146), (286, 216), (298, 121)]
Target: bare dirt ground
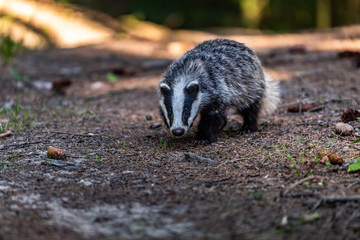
[(125, 177)]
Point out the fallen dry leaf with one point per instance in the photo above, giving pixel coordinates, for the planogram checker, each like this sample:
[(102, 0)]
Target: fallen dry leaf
[(329, 156), (349, 115), (325, 153), (7, 134), (335, 159), (61, 85)]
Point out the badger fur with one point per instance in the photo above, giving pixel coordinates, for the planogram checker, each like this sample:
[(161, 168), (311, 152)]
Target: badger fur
[(209, 79)]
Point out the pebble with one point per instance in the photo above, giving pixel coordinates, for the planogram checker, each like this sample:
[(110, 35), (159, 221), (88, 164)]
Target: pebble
[(344, 129)]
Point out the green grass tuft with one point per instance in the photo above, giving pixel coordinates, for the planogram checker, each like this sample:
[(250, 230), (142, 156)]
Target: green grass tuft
[(9, 48), (19, 117)]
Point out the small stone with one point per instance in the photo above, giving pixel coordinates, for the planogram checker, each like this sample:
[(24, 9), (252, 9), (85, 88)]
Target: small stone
[(42, 85), (148, 117), (344, 129), (155, 125), (97, 85), (56, 153)]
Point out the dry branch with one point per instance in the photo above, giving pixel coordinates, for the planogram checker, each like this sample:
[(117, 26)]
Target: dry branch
[(337, 198), (286, 191), (195, 158)]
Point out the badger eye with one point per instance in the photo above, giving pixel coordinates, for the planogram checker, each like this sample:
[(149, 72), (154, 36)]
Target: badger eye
[(193, 88), (165, 89)]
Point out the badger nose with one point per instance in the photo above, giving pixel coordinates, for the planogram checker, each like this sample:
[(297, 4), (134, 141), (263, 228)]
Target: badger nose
[(178, 131)]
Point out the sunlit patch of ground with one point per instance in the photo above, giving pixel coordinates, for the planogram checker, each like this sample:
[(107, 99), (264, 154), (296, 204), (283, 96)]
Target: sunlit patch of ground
[(67, 26), (61, 24)]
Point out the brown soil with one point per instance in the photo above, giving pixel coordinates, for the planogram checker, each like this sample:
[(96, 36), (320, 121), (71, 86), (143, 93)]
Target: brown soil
[(125, 177)]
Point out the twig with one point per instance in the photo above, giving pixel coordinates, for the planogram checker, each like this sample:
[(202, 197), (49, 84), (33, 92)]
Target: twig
[(309, 99), (353, 216), (230, 161), (338, 100), (338, 198), (166, 180), (356, 147), (292, 103), (349, 180), (19, 144), (195, 158), (218, 181), (315, 108), (339, 136), (63, 164), (76, 134), (286, 191), (353, 184)]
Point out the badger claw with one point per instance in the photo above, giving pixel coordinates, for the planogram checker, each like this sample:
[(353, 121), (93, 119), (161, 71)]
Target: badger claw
[(201, 142), (245, 130)]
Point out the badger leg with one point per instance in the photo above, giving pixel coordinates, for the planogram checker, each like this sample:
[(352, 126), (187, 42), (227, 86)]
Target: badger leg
[(210, 124), (250, 116)]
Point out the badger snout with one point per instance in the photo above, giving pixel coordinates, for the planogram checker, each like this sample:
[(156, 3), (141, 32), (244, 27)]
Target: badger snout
[(178, 132)]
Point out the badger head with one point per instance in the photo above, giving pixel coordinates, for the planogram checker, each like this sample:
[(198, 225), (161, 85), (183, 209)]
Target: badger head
[(179, 105)]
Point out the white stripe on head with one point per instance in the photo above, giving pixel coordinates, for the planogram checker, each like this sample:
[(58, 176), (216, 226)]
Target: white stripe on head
[(163, 108), (178, 105), (162, 102)]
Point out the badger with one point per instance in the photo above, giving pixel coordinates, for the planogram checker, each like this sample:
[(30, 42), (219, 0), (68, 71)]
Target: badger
[(209, 79)]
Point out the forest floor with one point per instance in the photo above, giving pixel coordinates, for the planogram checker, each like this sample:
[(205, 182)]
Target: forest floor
[(126, 177)]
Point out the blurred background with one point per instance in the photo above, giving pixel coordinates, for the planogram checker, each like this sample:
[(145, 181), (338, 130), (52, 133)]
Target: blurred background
[(273, 15), (71, 23)]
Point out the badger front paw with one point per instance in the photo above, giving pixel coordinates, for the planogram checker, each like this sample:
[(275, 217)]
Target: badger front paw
[(247, 129), (204, 139), (198, 142)]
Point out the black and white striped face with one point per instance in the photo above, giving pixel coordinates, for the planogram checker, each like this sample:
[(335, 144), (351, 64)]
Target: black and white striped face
[(179, 105)]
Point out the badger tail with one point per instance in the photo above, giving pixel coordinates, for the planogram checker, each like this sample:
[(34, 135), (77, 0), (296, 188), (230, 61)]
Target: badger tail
[(271, 96)]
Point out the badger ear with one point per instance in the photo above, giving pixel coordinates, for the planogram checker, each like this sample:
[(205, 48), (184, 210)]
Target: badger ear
[(165, 89), (193, 87)]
